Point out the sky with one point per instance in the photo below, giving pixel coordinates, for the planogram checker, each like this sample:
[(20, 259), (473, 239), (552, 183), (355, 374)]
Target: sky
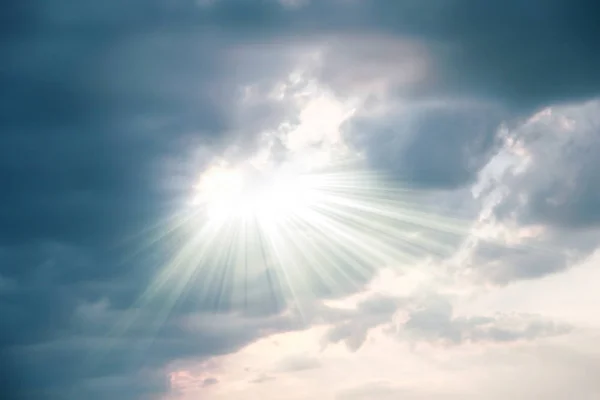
[(299, 199)]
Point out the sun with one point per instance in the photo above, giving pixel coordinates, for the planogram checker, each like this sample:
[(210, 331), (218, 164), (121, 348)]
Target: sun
[(220, 191), (242, 194)]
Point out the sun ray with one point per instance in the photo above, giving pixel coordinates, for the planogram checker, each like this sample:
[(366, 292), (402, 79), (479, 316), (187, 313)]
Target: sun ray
[(263, 240)]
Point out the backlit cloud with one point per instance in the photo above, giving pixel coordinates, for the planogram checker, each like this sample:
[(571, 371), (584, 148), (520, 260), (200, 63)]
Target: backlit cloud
[(402, 199)]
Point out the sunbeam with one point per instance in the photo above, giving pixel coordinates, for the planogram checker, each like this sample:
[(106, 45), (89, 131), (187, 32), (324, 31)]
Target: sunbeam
[(281, 236)]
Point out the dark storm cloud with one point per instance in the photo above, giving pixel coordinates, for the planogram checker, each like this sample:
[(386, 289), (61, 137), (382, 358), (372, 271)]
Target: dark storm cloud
[(96, 94), (528, 54), (507, 59), (88, 115), (85, 355), (79, 137)]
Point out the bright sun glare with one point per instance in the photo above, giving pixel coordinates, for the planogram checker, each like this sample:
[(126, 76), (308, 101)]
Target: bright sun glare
[(234, 194)]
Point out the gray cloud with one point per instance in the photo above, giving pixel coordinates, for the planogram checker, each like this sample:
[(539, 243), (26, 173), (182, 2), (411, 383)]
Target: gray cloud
[(351, 327), (561, 186), (297, 363), (431, 319), (439, 145), (434, 321), (528, 55), (89, 354), (380, 390), (548, 189), (210, 381), (88, 122), (532, 259)]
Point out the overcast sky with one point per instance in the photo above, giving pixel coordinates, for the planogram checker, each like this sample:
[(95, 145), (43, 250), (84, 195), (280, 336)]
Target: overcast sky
[(468, 271)]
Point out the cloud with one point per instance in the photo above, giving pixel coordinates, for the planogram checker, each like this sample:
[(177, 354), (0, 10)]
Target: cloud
[(431, 319), (562, 140), (210, 381), (435, 321), (518, 365), (441, 145), (549, 46), (547, 55), (298, 363), (380, 390), (262, 378), (539, 213), (104, 129), (90, 355), (352, 326), (111, 109)]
